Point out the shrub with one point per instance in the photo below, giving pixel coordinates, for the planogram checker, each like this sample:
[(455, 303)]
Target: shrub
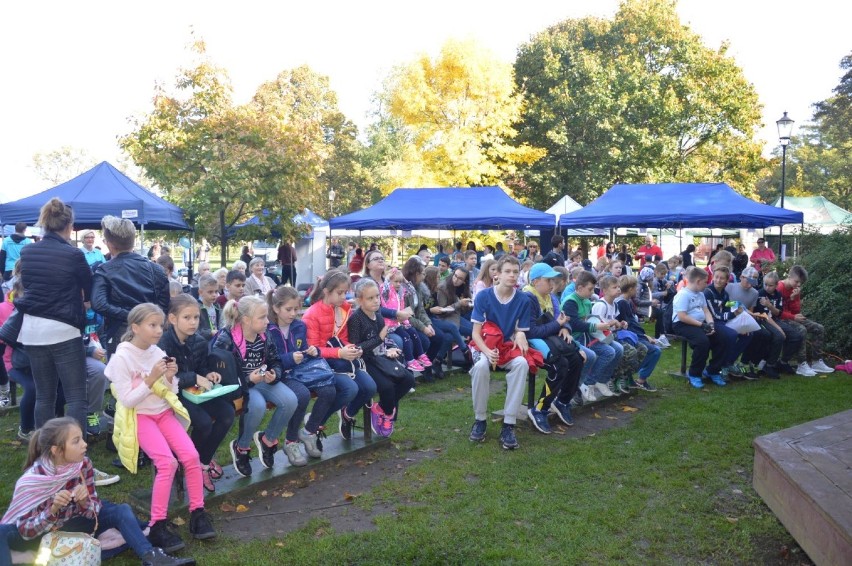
[(828, 259)]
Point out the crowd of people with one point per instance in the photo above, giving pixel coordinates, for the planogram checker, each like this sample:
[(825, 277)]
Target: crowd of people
[(76, 322)]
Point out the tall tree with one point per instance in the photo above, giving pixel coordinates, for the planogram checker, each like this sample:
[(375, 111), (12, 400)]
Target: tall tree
[(452, 120), (62, 164), (638, 98)]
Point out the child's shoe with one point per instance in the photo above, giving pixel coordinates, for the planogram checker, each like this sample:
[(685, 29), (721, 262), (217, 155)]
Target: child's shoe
[(820, 366), (588, 393), (604, 390), (805, 370), (613, 387), (347, 423), (156, 557), (424, 360), (477, 431), (200, 525), (241, 459), (539, 420), (414, 365), (696, 382), (715, 378), (162, 535), (507, 437), (216, 470), (207, 479), (563, 411), (646, 386), (267, 453), (310, 442), (294, 454)]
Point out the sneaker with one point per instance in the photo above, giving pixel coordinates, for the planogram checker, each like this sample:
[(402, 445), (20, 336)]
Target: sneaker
[(588, 393), (414, 365), (5, 397), (163, 535), (696, 382), (386, 423), (646, 386), (375, 417), (715, 378), (539, 420), (424, 360), (267, 453), (207, 479), (507, 437), (604, 390), (242, 461), (735, 370), (663, 341), (805, 370), (562, 411), (24, 436), (103, 478), (437, 369), (751, 373), (577, 399), (621, 385), (477, 431), (293, 451), (156, 557), (820, 367), (771, 372), (216, 470), (200, 525), (785, 367), (310, 442), (93, 424), (346, 424), (631, 383), (613, 388)]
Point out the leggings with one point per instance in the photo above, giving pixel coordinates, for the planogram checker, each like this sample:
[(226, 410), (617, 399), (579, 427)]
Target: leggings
[(211, 422), (159, 436), (562, 380), (412, 348), (390, 391), (325, 399)]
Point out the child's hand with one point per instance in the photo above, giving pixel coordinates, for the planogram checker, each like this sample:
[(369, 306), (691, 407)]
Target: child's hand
[(256, 376), (492, 355), (99, 353), (270, 376), (436, 310), (799, 317), (298, 357), (562, 318), (203, 382), (158, 370), (312, 351), (384, 332), (520, 341), (171, 369), (393, 353), (60, 501), (623, 324), (214, 377), (80, 494), (349, 352), (565, 334), (602, 326)]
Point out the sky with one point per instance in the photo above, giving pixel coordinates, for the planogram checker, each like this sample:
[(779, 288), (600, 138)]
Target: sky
[(73, 73)]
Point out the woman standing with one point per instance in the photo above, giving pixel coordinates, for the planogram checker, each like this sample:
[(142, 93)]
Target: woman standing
[(56, 280), (687, 257)]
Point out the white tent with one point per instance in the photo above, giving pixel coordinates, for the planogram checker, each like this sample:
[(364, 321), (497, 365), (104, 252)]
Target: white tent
[(565, 205)]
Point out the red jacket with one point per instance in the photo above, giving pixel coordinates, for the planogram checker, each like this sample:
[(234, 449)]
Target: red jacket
[(789, 307), (319, 319), (493, 338)]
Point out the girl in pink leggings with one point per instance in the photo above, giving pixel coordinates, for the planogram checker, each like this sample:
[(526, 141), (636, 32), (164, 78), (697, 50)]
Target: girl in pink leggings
[(150, 416)]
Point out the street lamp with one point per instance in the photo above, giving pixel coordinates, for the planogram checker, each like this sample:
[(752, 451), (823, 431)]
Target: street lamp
[(785, 128), (332, 194)]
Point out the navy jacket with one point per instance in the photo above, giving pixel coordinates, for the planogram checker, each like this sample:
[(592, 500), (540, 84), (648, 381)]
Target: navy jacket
[(191, 356), (296, 341)]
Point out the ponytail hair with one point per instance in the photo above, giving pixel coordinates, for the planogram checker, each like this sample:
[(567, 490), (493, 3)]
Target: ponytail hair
[(137, 316), (277, 297), (55, 216), (333, 278), (54, 432), (234, 311)]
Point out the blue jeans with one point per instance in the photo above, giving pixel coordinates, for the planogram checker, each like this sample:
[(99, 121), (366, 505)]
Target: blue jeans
[(54, 364), (9, 538), (285, 405), (650, 361), (735, 344), (346, 388), (608, 356), (449, 328), (27, 401), (366, 390)]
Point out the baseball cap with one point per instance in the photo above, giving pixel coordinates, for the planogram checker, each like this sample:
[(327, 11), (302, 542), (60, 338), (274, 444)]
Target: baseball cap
[(539, 270), (750, 275)]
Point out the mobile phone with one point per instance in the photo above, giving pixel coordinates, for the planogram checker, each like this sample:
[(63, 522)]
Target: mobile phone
[(262, 370), (168, 359)]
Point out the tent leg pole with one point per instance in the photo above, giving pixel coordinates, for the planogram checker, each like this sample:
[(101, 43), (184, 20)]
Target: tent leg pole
[(142, 240)]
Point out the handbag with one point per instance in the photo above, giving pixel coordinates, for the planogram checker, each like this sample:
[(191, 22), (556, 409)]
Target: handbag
[(62, 548), (339, 365), (11, 328), (559, 347), (313, 373), (392, 368), (743, 323)]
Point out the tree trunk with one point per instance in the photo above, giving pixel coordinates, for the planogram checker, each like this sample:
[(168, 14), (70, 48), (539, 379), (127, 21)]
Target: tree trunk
[(223, 237)]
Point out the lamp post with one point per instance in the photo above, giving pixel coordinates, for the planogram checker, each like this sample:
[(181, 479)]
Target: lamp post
[(331, 196), (785, 128)]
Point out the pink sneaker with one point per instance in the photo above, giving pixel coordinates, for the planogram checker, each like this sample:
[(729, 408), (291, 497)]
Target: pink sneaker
[(414, 365), (381, 423), (387, 424), (424, 360)]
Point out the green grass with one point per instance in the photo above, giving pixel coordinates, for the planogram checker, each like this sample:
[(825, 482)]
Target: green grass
[(671, 487)]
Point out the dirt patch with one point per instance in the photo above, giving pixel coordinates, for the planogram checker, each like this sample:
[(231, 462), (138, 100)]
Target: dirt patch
[(329, 495)]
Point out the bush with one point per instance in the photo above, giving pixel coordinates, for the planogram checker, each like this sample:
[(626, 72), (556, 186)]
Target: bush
[(828, 259)]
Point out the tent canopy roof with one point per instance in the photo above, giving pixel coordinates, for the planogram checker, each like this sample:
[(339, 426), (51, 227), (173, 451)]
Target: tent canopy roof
[(817, 210), (481, 208), (677, 205), (100, 191)]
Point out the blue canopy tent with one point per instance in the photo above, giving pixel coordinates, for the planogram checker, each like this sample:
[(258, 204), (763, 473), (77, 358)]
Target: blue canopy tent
[(480, 208), (677, 205), (100, 191)]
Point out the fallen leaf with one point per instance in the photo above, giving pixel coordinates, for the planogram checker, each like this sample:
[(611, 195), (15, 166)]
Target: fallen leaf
[(612, 418), (287, 494), (279, 544), (320, 532), (15, 443), (242, 508), (440, 449), (227, 508), (629, 409), (732, 519), (350, 496), (785, 552), (592, 434), (738, 491), (459, 388), (597, 416), (179, 521), (399, 466), (264, 493), (312, 475), (360, 463), (456, 430)]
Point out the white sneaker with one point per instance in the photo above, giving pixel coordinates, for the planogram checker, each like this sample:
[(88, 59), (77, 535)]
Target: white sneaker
[(310, 442), (604, 389), (663, 342), (805, 370), (294, 454), (103, 478), (588, 393), (820, 367)]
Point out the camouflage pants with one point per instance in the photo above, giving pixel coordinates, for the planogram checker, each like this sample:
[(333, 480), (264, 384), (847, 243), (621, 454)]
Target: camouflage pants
[(631, 360), (814, 334)]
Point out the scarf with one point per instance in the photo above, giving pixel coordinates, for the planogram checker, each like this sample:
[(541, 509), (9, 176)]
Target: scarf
[(262, 283), (544, 302), (39, 483)]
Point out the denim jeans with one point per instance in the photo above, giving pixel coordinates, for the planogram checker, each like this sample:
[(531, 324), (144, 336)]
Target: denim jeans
[(366, 391), (325, 399), (608, 356), (346, 389), (451, 329), (117, 516), (285, 405), (96, 384), (27, 401), (650, 361), (59, 363)]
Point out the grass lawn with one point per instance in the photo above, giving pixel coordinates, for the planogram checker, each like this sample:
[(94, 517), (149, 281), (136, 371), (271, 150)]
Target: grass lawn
[(672, 486)]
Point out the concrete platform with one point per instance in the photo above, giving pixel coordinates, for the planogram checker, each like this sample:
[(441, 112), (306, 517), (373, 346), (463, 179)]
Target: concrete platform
[(804, 474), (335, 450)]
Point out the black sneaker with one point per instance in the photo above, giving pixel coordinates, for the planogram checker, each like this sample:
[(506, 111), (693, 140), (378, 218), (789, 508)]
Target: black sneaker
[(267, 453), (156, 557), (477, 432), (771, 372), (437, 369), (346, 424), (200, 525), (785, 367), (507, 437), (242, 460), (163, 535)]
